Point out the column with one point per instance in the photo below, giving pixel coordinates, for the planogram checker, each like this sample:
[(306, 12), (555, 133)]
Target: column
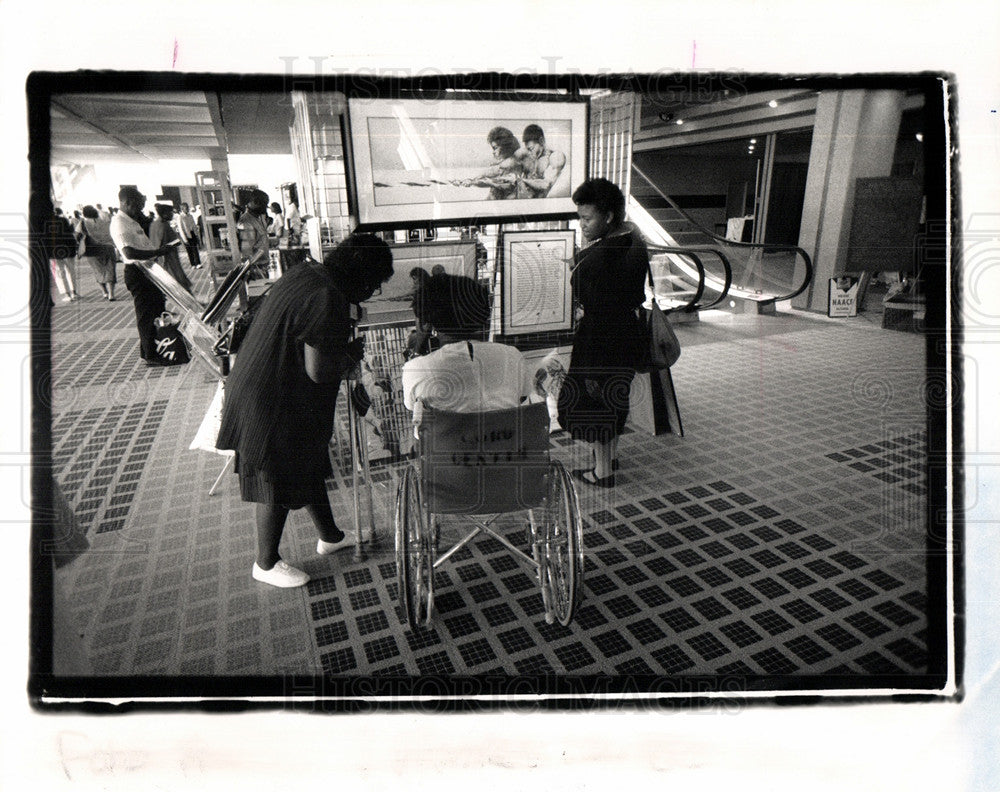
[(854, 136)]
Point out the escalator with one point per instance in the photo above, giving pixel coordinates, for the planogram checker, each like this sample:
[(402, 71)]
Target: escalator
[(730, 270)]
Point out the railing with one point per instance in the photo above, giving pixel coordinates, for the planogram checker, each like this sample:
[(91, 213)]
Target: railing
[(754, 249), (658, 241), (693, 254)]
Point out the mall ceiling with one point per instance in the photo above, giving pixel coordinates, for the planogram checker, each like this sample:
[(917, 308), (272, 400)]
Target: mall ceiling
[(146, 127), (149, 126)]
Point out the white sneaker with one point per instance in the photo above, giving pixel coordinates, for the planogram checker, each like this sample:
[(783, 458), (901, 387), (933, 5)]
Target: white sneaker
[(325, 548), (282, 575)]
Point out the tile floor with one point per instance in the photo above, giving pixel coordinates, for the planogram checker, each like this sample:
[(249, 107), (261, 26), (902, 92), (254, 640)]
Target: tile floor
[(783, 536)]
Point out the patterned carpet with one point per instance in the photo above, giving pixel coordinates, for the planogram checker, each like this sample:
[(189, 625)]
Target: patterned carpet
[(782, 537)]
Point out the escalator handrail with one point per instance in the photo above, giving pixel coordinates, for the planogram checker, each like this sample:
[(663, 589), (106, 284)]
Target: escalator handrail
[(692, 304), (806, 280), (692, 252)]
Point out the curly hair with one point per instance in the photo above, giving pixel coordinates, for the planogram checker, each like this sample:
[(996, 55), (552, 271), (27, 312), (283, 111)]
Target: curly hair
[(603, 195), (452, 303), (360, 260), (532, 132), (505, 140)]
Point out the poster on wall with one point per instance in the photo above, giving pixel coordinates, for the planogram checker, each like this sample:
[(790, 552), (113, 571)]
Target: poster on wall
[(537, 296), (463, 161)]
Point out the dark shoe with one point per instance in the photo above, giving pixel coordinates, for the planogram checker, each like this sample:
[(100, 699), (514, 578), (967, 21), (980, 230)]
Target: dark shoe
[(588, 477)]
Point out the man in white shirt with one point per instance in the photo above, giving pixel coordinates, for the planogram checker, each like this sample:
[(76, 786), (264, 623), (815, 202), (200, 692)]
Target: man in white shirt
[(128, 232), (187, 228)]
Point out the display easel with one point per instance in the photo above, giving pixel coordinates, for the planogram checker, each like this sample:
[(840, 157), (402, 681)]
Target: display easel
[(199, 325), (222, 241)]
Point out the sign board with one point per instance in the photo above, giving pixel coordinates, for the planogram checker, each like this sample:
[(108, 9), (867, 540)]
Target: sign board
[(843, 299)]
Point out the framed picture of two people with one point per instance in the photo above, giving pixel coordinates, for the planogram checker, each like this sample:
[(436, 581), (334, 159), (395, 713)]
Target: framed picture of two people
[(462, 161)]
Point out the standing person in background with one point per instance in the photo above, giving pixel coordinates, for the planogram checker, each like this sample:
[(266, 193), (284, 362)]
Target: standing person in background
[(281, 395), (55, 238), (609, 285), (252, 229), (63, 247), (187, 228), (103, 214), (161, 234), (132, 242), (277, 227), (196, 213), (99, 250), (294, 220)]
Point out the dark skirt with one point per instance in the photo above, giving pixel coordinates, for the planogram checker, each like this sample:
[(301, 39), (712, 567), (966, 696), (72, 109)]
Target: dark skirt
[(290, 490), (593, 404)]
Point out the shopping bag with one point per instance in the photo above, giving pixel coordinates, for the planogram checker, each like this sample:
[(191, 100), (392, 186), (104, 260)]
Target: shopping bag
[(170, 347), (660, 346), (664, 347)]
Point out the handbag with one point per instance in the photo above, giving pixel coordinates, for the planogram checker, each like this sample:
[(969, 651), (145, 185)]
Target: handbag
[(171, 349), (661, 347)]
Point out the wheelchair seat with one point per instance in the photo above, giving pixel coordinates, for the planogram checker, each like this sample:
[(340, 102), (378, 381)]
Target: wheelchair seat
[(488, 463), (484, 463)]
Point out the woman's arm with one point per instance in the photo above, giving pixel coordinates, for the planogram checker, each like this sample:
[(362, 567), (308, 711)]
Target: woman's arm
[(324, 366)]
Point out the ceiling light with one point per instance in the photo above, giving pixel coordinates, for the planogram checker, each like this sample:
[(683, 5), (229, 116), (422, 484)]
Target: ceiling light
[(753, 140), (679, 121), (919, 136), (772, 103)]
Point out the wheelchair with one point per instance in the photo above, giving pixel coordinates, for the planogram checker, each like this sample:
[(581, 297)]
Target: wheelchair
[(486, 465)]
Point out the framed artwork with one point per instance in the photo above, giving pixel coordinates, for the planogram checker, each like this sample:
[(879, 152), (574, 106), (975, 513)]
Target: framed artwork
[(414, 161), (536, 293), (394, 302)]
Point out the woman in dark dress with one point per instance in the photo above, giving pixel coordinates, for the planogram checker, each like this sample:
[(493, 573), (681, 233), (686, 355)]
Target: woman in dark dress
[(282, 391), (608, 286)]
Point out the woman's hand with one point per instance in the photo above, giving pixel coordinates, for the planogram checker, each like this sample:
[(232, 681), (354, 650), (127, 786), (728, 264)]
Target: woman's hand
[(356, 349)]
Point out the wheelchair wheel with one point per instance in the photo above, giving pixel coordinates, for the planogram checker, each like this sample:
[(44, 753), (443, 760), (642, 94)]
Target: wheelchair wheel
[(414, 556), (560, 548)]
